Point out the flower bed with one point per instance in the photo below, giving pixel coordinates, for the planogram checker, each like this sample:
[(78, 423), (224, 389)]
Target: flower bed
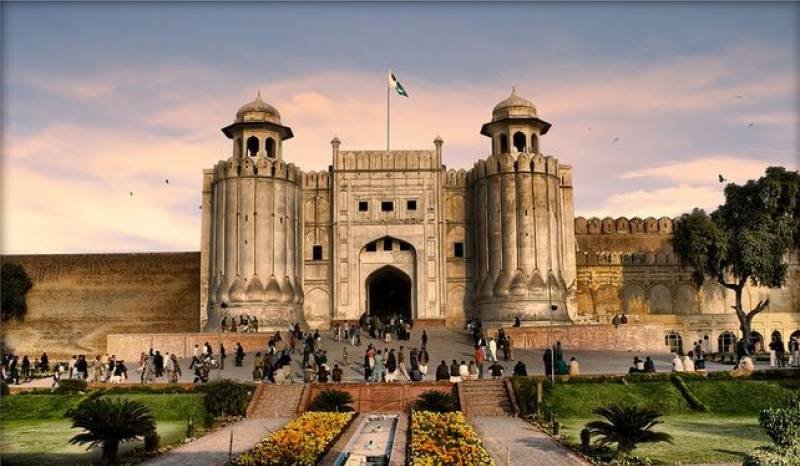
[(301, 442), (445, 439)]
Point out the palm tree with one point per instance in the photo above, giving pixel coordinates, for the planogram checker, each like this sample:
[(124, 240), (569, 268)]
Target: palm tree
[(627, 426), (332, 400), (108, 422)]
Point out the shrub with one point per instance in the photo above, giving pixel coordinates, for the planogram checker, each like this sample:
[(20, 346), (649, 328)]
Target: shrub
[(436, 402), (770, 456), (332, 401), (3, 388), (151, 441), (525, 390), (301, 442), (627, 426), (14, 286), (108, 422), (71, 386), (782, 425), (227, 398), (737, 396)]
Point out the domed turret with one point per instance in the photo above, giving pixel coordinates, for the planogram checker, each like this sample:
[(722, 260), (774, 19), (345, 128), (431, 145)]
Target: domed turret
[(515, 126), (257, 131), (514, 106), (258, 110)]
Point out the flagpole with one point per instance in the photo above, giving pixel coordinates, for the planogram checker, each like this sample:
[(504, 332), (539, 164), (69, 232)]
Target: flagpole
[(388, 103)]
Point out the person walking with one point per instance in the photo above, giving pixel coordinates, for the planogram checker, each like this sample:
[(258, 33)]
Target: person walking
[(780, 352), (479, 359), (239, 354), (794, 350), (97, 369), (492, 350), (773, 351), (547, 358), (26, 368), (401, 363), (424, 339), (509, 348), (424, 358), (221, 356), (377, 370)]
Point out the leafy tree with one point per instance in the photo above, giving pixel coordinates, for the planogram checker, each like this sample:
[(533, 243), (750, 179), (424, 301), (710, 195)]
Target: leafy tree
[(627, 426), (332, 400), (746, 239), (108, 422), (14, 287)]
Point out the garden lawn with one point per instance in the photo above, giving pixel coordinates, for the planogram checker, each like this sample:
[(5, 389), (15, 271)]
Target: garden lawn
[(698, 438), (580, 399), (34, 429)]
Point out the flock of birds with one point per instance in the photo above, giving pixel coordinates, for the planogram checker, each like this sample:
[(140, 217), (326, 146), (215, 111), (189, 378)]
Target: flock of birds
[(616, 139), (166, 181)]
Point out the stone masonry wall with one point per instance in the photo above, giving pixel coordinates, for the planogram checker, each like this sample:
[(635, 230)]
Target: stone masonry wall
[(78, 299)]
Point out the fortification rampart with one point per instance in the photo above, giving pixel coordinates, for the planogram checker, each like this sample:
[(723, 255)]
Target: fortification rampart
[(77, 299)]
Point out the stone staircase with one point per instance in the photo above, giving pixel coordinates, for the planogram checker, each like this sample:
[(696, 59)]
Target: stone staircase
[(487, 398), (273, 401)]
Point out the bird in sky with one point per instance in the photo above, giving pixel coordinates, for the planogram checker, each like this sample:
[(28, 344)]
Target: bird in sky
[(738, 97), (616, 139), (588, 129), (131, 193), (199, 207), (166, 181), (722, 179), (750, 125)]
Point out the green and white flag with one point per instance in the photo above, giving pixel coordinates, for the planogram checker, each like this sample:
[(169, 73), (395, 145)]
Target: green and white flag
[(395, 84)]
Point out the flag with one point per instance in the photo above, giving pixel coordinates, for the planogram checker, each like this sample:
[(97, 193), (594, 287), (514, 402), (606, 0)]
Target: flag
[(395, 84)]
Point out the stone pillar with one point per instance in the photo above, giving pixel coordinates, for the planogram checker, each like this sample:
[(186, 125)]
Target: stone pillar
[(540, 213), (495, 230), (481, 223), (508, 219), (525, 237)]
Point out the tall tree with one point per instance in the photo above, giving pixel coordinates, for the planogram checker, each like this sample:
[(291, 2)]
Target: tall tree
[(14, 286), (747, 239)]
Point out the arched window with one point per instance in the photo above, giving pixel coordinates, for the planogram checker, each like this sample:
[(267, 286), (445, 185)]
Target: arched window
[(270, 147), (519, 141), (503, 144), (756, 342), (534, 144), (674, 341), (726, 342), (252, 146)]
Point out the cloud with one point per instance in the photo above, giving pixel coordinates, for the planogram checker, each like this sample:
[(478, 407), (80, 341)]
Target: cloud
[(67, 181), (670, 202), (703, 170)]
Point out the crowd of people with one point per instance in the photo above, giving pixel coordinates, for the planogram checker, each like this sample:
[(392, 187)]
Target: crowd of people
[(244, 324)]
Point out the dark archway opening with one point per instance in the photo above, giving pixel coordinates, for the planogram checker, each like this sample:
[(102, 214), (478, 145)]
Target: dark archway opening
[(519, 142), (389, 293)]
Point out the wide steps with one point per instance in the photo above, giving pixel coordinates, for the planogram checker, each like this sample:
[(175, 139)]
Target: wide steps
[(271, 401), (486, 398)]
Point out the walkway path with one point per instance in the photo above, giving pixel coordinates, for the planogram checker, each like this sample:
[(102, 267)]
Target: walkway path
[(212, 449), (521, 443)]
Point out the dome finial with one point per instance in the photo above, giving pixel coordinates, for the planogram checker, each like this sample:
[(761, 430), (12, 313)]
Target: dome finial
[(258, 94), (513, 89)]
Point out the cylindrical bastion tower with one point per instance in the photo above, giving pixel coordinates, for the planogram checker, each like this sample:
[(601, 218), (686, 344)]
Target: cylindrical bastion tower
[(255, 244), (524, 226)]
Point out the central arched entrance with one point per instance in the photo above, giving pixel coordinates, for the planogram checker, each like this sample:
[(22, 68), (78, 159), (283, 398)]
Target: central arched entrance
[(389, 293)]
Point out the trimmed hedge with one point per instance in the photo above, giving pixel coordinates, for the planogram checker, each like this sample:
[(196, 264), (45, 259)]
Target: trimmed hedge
[(579, 400), (71, 386), (525, 390), (747, 397)]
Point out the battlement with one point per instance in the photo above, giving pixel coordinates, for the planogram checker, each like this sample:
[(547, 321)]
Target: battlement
[(261, 167), (664, 257), (455, 178), (317, 180), (385, 160), (622, 225), (521, 162)]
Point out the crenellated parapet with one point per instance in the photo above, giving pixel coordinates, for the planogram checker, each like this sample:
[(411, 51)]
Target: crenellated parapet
[(623, 225), (455, 178), (385, 160), (666, 257), (317, 180)]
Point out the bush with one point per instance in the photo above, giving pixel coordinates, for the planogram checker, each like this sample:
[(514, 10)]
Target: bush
[(71, 386), (151, 441), (782, 426), (737, 396), (436, 402), (525, 390), (332, 401), (769, 456), (3, 388), (14, 286), (227, 398)]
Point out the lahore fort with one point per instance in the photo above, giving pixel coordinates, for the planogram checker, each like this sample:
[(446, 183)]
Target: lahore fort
[(396, 232)]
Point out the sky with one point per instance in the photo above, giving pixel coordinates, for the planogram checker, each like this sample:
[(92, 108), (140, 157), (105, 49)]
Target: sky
[(649, 102)]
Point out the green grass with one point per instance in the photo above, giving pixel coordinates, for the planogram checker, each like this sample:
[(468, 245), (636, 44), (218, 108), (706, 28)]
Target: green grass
[(698, 438), (578, 400), (742, 397), (45, 442), (34, 429)]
